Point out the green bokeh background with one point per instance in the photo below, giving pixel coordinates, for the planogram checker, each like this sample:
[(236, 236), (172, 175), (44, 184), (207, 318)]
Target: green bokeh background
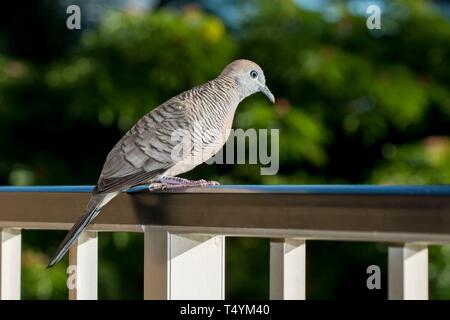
[(353, 106)]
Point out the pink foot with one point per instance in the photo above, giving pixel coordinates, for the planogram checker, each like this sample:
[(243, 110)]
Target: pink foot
[(173, 183)]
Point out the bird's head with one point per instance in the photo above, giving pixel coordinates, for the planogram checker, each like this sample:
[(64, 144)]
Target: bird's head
[(249, 76)]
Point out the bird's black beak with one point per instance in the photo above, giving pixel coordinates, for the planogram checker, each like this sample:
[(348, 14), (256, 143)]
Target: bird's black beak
[(264, 89)]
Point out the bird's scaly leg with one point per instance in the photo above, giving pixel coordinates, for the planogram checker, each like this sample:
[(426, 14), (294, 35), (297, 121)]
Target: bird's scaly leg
[(170, 183)]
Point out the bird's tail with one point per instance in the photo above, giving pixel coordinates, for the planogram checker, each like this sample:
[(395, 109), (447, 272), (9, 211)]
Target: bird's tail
[(96, 203)]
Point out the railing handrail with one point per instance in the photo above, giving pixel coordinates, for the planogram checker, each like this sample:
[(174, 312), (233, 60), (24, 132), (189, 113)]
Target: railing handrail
[(364, 213), (309, 189)]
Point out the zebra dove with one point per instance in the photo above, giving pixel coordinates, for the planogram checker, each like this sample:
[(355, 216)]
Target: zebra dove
[(150, 151)]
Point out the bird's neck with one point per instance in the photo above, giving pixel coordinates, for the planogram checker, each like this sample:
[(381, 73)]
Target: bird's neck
[(227, 91)]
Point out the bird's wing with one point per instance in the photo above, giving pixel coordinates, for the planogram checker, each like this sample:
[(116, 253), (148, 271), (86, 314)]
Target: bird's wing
[(145, 151)]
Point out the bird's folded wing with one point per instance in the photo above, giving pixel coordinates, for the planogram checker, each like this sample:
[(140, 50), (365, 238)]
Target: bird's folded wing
[(145, 151)]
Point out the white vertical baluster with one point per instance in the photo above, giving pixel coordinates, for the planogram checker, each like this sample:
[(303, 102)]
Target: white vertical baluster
[(287, 269), (83, 261), (10, 263), (408, 272), (156, 273), (183, 266)]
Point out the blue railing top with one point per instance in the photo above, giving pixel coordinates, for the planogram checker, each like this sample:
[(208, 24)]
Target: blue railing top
[(302, 189), (46, 188)]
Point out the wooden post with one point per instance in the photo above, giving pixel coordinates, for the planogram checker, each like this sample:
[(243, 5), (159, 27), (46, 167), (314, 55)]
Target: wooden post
[(408, 272), (82, 270), (287, 269), (183, 266), (10, 263)]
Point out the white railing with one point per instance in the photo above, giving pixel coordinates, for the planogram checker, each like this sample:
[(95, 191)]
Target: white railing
[(185, 232)]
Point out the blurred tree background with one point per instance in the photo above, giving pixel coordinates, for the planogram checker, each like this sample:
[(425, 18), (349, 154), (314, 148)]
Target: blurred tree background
[(353, 106)]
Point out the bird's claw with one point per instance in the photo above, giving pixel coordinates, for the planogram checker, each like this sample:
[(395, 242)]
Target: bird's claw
[(170, 183), (208, 183), (157, 186)]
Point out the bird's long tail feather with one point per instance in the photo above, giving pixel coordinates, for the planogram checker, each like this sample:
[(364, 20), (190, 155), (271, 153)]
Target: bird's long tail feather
[(96, 203)]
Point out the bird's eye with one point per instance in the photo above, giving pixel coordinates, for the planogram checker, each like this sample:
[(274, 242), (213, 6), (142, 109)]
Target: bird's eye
[(253, 74)]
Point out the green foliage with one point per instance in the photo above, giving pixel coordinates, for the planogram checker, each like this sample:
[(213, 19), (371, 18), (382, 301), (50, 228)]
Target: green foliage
[(127, 65), (353, 106), (426, 162), (439, 272)]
